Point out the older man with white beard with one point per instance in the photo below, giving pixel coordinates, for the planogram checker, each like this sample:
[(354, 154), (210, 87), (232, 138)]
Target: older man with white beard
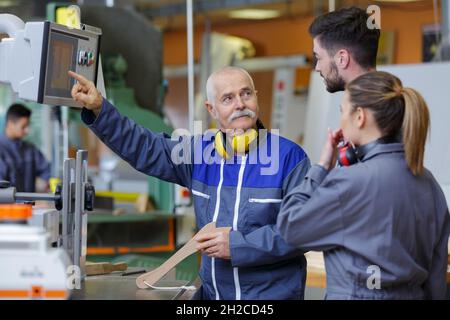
[(250, 260)]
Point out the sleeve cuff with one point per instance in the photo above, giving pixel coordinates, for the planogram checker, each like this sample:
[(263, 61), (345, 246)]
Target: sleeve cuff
[(235, 238), (89, 116)]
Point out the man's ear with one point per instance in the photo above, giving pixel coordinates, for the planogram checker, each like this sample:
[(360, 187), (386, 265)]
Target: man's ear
[(342, 58), (212, 111)]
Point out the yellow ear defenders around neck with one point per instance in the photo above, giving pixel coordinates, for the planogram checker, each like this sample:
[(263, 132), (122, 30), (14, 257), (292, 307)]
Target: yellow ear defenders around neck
[(240, 143)]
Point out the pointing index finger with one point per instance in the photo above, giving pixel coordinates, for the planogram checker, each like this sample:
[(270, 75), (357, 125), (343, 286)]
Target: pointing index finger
[(82, 80)]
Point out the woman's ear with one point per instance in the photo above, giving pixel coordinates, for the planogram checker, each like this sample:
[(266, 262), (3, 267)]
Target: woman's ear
[(360, 117)]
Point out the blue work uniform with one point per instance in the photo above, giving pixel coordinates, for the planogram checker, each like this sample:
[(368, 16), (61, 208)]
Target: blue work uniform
[(383, 231), (21, 163), (237, 195)]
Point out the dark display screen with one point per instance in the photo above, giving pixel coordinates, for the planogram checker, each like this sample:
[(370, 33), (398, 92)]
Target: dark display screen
[(62, 53)]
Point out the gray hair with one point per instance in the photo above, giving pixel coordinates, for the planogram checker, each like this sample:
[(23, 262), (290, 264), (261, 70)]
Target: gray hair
[(210, 89)]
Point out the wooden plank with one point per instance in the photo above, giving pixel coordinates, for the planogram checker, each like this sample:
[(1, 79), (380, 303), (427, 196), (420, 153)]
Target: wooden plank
[(448, 274), (316, 275), (149, 279), (104, 267)]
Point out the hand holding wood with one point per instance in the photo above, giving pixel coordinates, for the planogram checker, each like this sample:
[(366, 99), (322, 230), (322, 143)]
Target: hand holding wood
[(150, 278)]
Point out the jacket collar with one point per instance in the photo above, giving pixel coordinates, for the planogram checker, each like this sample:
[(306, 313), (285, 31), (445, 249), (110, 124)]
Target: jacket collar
[(396, 147)]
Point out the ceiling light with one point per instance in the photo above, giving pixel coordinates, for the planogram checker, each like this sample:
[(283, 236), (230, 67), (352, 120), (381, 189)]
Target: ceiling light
[(7, 3), (256, 14)]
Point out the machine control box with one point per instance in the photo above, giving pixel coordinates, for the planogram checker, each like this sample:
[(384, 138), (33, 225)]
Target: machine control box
[(36, 58)]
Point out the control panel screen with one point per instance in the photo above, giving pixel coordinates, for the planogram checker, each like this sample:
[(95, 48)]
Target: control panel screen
[(61, 58), (62, 53), (66, 49)]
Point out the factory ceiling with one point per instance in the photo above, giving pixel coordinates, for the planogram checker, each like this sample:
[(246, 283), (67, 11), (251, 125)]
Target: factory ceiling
[(170, 14)]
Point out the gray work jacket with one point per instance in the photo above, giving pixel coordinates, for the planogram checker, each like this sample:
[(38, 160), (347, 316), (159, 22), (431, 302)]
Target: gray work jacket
[(384, 231)]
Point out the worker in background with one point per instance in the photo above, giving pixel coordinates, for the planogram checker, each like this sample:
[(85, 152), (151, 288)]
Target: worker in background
[(20, 161), (383, 221), (343, 46), (251, 261)]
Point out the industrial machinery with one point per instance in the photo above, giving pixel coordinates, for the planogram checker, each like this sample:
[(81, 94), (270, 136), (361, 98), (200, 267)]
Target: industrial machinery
[(36, 57), (30, 267), (43, 79), (28, 247)]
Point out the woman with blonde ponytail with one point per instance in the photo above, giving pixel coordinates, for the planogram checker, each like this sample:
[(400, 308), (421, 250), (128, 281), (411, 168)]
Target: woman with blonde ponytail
[(382, 221)]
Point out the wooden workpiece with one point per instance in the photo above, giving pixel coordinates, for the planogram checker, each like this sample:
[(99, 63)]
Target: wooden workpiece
[(149, 279), (315, 275), (104, 267)]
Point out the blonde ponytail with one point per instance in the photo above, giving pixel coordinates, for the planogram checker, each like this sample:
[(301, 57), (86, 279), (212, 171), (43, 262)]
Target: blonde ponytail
[(416, 122)]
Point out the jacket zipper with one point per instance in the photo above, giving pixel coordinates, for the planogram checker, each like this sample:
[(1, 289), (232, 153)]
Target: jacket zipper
[(216, 214), (235, 222)]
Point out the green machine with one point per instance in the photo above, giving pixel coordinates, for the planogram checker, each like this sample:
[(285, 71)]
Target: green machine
[(124, 81), (115, 67), (134, 84)]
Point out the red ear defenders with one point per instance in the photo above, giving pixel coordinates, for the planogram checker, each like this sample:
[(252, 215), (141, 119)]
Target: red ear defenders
[(348, 154)]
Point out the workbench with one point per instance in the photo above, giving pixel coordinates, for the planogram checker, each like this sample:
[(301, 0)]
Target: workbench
[(115, 286)]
